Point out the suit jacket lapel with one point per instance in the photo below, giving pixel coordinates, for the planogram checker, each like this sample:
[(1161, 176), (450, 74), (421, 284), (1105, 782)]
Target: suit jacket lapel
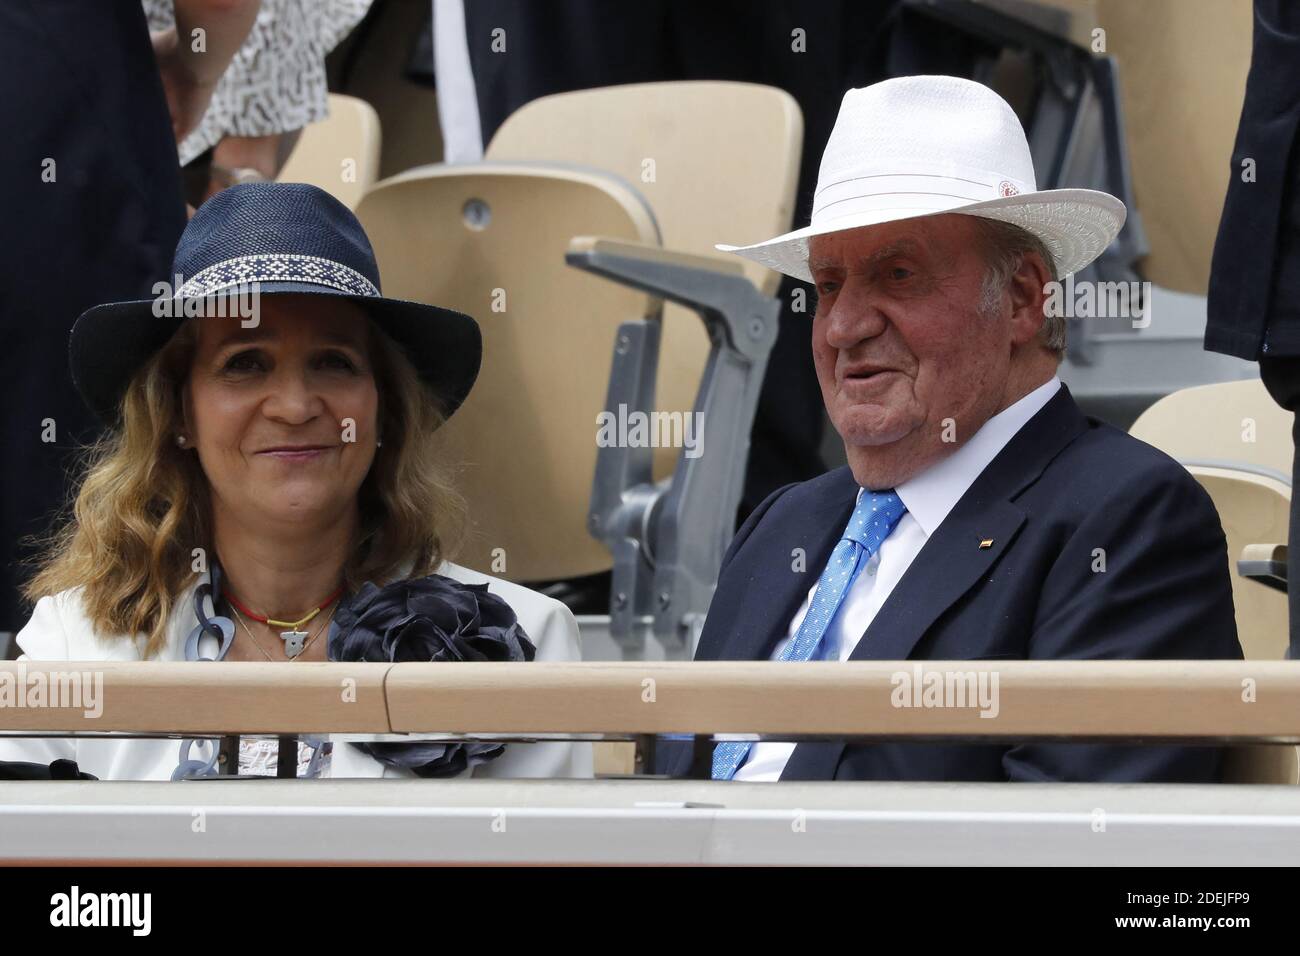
[(946, 568), (775, 589), (952, 560)]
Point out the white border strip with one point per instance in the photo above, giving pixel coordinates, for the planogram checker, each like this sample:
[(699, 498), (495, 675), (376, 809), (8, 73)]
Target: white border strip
[(665, 835)]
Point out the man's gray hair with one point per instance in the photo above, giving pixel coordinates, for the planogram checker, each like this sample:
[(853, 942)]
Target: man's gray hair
[(1005, 247)]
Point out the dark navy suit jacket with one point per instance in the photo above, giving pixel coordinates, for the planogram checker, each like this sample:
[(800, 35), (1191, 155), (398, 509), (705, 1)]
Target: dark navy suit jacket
[(1063, 486), (1255, 272)]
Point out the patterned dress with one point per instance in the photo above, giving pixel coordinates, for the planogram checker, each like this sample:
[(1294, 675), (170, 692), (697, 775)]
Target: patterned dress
[(257, 758), (276, 82)]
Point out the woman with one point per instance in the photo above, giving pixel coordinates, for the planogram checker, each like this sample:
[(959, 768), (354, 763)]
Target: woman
[(269, 490)]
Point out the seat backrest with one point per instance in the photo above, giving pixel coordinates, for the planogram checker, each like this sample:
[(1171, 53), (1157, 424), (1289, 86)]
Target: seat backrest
[(1225, 422), (489, 240), (340, 154), (1254, 509), (716, 161), (1236, 441)]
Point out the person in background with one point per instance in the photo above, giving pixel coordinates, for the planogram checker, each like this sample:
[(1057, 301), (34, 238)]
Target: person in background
[(1254, 297), (93, 203), (275, 86)]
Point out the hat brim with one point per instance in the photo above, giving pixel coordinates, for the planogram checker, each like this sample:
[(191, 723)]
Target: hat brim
[(1076, 226), (110, 342)]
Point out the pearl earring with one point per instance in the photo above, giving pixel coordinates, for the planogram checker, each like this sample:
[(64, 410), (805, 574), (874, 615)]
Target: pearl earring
[(180, 440)]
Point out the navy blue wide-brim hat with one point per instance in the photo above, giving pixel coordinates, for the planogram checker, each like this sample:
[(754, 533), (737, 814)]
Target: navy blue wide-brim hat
[(289, 238)]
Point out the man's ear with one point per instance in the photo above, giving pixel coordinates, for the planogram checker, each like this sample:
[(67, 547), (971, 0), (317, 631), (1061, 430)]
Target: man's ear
[(1028, 291)]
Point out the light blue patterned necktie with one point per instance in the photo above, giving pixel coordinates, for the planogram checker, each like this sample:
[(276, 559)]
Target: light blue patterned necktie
[(873, 519)]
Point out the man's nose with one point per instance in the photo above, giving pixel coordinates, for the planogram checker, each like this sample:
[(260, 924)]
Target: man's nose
[(855, 316)]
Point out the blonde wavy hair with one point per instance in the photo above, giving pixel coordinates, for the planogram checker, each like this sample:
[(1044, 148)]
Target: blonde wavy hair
[(142, 505)]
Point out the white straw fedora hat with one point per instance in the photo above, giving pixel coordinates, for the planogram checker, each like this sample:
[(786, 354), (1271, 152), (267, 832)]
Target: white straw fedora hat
[(927, 145)]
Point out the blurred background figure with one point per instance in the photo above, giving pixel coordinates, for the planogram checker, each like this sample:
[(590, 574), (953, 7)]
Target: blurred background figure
[(1254, 300), (275, 85), (94, 207)]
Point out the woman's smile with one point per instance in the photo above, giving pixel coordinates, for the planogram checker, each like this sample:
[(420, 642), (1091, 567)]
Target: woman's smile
[(296, 455)]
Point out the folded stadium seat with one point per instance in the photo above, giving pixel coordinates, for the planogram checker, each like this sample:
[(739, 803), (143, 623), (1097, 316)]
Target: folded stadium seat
[(1254, 508), (1225, 422), (594, 180), (340, 154), (489, 240), (1236, 441), (689, 148), (1254, 505), (716, 161)]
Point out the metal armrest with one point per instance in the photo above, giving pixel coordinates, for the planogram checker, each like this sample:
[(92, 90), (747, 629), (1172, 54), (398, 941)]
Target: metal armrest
[(1265, 563), (668, 538)]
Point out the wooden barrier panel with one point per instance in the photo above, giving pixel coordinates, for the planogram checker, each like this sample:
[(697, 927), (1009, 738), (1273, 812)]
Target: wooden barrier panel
[(1226, 700), (197, 697), (1020, 699)]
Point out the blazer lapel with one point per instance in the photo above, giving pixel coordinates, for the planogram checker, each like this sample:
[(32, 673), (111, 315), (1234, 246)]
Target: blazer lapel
[(952, 560), (946, 568), (776, 588)]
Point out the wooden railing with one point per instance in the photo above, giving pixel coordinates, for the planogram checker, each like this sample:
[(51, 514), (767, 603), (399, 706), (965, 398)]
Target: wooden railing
[(654, 820), (1212, 700)]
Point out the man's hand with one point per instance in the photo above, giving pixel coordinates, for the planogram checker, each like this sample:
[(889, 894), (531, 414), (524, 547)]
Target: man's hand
[(187, 95)]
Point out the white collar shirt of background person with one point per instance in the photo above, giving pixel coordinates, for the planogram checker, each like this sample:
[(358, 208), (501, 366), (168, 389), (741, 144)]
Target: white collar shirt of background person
[(929, 497)]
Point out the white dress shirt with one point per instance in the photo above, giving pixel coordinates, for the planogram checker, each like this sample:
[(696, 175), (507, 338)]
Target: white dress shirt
[(928, 497)]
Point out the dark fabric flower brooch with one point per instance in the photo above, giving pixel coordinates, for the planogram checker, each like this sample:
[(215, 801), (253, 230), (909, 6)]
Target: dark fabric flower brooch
[(426, 619)]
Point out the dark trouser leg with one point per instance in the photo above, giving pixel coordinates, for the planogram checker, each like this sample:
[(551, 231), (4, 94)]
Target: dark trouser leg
[(1281, 376), (1293, 549)]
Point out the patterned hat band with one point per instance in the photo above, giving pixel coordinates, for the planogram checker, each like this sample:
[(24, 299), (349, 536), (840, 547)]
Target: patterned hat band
[(266, 239), (276, 267)]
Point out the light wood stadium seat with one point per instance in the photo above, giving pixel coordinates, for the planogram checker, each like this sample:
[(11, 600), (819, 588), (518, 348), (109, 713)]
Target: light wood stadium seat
[(454, 236), (1236, 441), (340, 154), (716, 162)]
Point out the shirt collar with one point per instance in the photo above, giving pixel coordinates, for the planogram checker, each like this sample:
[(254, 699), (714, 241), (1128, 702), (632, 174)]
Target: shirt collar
[(933, 493)]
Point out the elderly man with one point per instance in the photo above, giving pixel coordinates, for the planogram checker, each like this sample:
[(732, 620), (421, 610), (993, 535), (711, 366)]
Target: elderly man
[(981, 516)]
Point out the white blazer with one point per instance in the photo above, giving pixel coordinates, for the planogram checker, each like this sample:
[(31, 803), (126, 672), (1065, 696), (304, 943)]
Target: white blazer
[(59, 631)]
